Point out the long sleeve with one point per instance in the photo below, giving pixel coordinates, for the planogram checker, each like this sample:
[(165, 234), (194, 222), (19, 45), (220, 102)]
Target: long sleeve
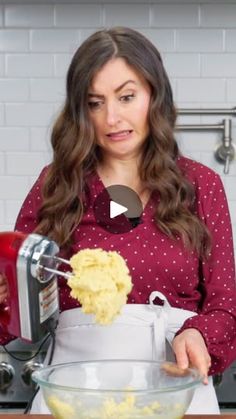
[(217, 315), (27, 218)]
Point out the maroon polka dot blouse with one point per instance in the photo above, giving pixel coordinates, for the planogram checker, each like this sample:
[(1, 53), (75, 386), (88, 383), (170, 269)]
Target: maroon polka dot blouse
[(158, 263)]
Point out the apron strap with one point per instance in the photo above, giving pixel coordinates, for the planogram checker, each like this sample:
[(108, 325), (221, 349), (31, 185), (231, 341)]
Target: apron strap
[(161, 325)]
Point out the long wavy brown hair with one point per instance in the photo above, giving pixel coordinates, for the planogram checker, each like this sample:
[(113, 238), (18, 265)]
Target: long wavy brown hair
[(76, 153)]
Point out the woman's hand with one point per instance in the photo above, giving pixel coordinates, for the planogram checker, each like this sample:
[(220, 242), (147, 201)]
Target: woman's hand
[(191, 351), (3, 288)]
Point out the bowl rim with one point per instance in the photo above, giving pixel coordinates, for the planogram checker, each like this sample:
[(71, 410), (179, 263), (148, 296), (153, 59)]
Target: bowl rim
[(36, 376)]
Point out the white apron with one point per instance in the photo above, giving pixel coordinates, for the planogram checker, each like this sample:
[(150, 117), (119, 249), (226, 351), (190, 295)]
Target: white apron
[(139, 332)]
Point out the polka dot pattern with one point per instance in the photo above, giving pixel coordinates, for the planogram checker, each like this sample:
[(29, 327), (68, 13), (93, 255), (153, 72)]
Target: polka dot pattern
[(159, 263)]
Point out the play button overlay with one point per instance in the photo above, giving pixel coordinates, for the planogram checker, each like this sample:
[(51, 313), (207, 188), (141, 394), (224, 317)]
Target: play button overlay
[(118, 209)]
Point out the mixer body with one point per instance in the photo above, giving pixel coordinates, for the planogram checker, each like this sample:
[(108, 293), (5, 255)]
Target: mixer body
[(31, 308)]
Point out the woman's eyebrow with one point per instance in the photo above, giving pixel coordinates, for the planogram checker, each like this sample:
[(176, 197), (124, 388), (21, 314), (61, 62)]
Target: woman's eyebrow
[(91, 94)]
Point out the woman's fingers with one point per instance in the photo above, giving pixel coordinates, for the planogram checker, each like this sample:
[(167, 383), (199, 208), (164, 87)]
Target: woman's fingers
[(181, 355), (190, 350)]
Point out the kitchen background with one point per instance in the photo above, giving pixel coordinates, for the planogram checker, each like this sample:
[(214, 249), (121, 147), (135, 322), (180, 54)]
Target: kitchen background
[(37, 39), (197, 40)]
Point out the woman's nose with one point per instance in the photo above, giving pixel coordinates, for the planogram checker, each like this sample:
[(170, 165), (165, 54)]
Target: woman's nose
[(112, 114)]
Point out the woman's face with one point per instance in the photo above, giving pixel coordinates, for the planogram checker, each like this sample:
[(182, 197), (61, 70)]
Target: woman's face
[(118, 105)]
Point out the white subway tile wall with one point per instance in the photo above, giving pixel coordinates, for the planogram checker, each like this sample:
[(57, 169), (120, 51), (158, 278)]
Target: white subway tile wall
[(28, 114), (29, 16), (182, 65), (197, 40), (2, 65), (127, 15), (231, 90), (40, 139), (230, 44), (174, 16), (78, 15), (14, 139), (1, 15), (14, 90), (29, 65), (217, 15), (53, 40), (2, 164), (1, 115), (12, 40)]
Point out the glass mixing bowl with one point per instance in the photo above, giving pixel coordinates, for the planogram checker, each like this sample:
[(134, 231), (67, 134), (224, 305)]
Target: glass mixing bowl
[(117, 389)]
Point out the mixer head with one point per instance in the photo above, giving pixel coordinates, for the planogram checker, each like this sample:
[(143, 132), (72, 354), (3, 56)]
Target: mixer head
[(32, 307)]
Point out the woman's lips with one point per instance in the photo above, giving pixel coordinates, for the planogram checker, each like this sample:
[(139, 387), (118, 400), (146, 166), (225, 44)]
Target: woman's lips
[(120, 135)]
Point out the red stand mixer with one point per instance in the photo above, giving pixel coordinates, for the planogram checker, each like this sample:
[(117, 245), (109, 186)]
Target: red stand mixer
[(28, 263)]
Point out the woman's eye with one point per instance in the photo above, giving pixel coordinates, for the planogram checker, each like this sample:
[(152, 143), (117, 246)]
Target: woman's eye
[(127, 98), (94, 105)]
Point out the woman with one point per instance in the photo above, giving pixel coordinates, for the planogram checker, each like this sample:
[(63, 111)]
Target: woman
[(117, 127)]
